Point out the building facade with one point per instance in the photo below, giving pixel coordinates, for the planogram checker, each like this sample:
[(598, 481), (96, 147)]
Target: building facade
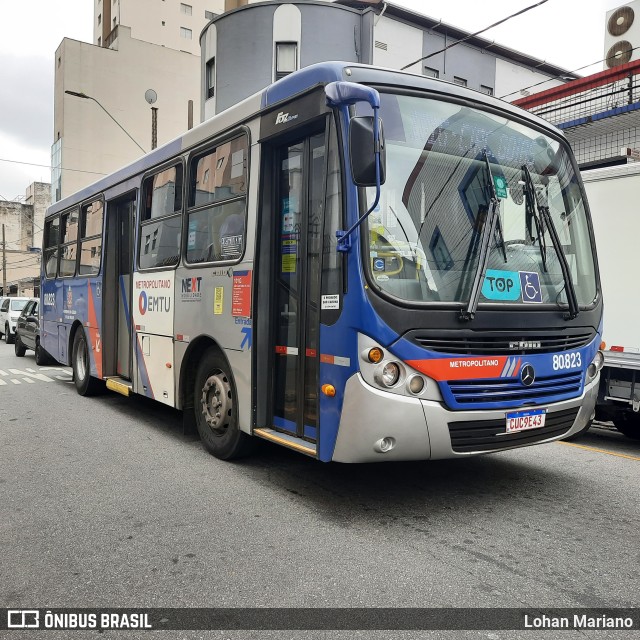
[(600, 113), (145, 56), (22, 224), (94, 137), (176, 25), (144, 63), (261, 42)]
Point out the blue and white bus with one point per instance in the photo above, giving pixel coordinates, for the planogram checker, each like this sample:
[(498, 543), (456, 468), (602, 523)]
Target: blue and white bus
[(355, 263)]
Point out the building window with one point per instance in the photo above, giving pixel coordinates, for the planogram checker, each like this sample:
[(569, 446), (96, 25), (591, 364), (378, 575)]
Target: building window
[(186, 9), (487, 90), (99, 44), (209, 15), (211, 78), (431, 73), (115, 22), (286, 58), (459, 81), (99, 18), (185, 33)]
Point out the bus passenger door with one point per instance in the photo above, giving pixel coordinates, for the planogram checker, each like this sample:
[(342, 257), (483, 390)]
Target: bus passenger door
[(117, 287), (299, 203)]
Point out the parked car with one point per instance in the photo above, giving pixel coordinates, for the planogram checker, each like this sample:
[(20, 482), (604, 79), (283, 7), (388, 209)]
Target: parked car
[(28, 332), (10, 310)]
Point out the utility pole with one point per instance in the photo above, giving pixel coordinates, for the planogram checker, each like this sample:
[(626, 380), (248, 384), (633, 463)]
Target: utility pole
[(154, 127), (4, 264)]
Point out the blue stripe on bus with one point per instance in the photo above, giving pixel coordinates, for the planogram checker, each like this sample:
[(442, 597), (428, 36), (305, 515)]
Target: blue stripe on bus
[(315, 74)]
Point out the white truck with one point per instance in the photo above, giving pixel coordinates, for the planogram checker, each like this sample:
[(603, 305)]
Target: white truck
[(614, 200)]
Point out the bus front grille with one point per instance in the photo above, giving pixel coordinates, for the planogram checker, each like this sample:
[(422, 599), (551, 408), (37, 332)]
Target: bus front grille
[(501, 343), (489, 435), (512, 392)]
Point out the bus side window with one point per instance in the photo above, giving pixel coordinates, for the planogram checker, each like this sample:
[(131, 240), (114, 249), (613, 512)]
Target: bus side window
[(50, 248), (161, 219), (217, 203), (68, 243), (90, 238)]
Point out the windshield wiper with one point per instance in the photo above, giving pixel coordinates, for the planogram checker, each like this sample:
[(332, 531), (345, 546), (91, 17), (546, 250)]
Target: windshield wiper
[(542, 217), (490, 229), (532, 213)]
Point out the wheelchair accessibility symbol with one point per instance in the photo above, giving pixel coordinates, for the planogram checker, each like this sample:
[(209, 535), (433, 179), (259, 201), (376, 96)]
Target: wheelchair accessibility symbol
[(530, 286)]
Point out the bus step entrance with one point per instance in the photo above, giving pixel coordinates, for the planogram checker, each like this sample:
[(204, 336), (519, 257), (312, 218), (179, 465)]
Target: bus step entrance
[(120, 385), (286, 440)]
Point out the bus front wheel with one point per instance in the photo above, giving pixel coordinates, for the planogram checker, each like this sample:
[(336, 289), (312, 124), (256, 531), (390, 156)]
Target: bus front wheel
[(216, 409), (81, 363)]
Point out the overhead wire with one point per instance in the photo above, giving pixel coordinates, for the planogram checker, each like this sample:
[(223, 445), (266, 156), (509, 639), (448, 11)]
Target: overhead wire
[(47, 166), (477, 33)]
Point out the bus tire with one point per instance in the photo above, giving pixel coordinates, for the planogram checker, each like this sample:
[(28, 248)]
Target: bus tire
[(216, 409), (81, 363), (628, 422)]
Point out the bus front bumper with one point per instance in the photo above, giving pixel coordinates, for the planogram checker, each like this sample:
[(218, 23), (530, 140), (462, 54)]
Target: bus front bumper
[(377, 426)]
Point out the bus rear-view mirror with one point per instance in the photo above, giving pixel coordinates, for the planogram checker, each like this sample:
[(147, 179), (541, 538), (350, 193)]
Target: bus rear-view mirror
[(362, 152)]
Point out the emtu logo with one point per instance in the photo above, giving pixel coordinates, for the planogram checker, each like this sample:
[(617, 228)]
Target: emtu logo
[(142, 302), (283, 118)]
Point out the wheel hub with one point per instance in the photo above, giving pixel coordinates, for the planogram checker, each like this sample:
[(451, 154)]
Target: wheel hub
[(216, 402)]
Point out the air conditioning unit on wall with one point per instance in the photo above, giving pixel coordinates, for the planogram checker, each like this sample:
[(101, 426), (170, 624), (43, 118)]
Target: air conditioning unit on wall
[(622, 35)]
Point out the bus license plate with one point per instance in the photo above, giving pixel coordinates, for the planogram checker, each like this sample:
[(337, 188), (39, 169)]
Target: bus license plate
[(521, 420)]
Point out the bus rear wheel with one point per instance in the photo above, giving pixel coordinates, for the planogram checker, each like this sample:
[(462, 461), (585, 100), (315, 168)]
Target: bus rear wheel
[(81, 363), (216, 409)]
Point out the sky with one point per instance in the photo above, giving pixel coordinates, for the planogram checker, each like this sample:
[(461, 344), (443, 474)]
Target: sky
[(567, 33)]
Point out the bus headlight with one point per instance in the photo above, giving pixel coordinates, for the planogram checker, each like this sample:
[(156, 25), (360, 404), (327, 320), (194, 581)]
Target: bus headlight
[(595, 366), (415, 384), (388, 374)]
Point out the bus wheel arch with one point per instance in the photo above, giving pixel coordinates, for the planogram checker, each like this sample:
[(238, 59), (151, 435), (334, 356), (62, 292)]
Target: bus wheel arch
[(80, 357), (190, 363), (212, 397)]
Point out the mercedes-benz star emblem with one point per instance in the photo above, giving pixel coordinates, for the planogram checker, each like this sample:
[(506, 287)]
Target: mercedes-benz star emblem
[(527, 375)]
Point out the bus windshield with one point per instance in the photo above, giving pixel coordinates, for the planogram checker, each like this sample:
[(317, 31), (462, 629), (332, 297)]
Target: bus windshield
[(445, 162)]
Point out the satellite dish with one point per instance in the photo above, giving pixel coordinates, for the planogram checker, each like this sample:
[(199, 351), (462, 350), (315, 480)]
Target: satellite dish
[(150, 96)]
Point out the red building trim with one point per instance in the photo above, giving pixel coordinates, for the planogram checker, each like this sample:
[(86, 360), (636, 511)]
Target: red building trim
[(577, 86)]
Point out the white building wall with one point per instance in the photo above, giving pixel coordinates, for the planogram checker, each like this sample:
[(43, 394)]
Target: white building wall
[(403, 45), (157, 21), (511, 79), (287, 27), (118, 79)]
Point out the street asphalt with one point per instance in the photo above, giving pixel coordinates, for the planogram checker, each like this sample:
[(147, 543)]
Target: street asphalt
[(104, 503)]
